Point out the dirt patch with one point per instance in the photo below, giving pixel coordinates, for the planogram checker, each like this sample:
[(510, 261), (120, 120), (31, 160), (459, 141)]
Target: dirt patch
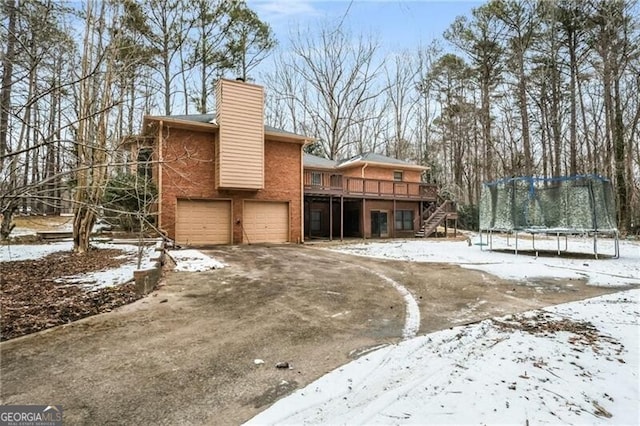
[(185, 354), (31, 300), (583, 333)]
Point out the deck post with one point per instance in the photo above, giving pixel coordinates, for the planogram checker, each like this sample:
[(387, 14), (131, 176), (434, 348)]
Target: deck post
[(364, 231), (341, 218), (330, 217), (393, 221)]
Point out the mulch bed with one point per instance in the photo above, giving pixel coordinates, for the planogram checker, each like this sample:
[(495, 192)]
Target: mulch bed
[(31, 300)]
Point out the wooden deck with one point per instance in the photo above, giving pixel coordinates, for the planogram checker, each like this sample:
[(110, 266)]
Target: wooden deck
[(326, 184)]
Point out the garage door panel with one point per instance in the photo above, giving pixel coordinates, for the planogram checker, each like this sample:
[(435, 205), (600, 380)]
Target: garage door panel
[(200, 222), (266, 222)]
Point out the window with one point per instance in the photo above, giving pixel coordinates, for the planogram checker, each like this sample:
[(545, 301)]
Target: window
[(145, 166), (397, 176), (316, 178), (404, 220), (316, 220)]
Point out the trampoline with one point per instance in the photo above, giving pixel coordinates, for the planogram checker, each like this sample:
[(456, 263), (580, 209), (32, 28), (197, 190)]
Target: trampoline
[(562, 206)]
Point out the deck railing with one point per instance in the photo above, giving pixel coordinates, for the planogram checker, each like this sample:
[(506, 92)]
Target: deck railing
[(327, 183)]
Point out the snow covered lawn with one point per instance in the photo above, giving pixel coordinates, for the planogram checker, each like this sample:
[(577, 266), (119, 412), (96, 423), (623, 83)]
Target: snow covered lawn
[(601, 272), (572, 363), (45, 285), (92, 280)]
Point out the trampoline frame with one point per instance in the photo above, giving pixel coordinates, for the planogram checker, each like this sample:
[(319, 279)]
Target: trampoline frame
[(558, 234)]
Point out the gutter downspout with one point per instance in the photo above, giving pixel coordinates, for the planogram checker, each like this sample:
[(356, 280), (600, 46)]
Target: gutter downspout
[(302, 192), (364, 216), (160, 160)]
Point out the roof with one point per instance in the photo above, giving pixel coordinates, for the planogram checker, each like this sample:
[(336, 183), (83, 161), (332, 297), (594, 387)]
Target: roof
[(209, 121), (371, 157), (313, 161), (198, 118), (379, 160)]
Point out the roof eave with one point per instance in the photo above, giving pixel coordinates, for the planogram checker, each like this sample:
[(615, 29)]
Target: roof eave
[(385, 165), (287, 137), (178, 123)]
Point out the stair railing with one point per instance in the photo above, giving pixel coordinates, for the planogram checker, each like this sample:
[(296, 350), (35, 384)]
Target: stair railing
[(440, 209)]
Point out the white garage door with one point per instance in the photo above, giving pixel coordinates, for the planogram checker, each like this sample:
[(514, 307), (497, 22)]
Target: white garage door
[(200, 222), (266, 222)]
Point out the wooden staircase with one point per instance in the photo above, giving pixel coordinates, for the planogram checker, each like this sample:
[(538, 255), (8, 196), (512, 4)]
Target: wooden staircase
[(434, 220)]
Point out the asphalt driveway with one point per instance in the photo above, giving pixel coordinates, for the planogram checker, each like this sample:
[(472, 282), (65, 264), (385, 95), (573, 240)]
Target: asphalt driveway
[(186, 354)]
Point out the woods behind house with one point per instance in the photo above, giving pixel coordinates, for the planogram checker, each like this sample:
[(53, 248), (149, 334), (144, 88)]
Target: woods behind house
[(542, 88)]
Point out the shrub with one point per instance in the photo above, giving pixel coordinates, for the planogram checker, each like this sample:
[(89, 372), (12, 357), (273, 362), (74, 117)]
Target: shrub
[(127, 199), (468, 217)]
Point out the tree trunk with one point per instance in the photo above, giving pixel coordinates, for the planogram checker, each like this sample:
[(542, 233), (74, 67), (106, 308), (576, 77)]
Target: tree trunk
[(524, 116), (485, 121), (620, 163), (573, 65), (7, 73), (92, 145)]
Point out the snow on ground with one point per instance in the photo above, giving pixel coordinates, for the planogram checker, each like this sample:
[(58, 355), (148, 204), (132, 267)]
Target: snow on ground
[(572, 363), (412, 316), (15, 252), (93, 280), (194, 261), (600, 272)]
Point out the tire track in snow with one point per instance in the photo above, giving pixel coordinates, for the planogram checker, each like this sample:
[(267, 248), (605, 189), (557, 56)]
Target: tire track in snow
[(412, 311)]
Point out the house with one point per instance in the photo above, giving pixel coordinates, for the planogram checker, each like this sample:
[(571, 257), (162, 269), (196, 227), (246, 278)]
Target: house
[(224, 178), (370, 196)]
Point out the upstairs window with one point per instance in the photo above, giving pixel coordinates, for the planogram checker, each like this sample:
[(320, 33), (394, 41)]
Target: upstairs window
[(397, 176)]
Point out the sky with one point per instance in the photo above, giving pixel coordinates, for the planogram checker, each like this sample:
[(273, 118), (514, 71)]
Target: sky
[(399, 25)]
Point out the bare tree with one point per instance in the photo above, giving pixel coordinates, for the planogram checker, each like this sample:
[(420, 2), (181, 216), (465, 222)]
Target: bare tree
[(339, 72), (166, 33), (426, 58), (9, 54), (401, 76), (94, 104), (520, 22)]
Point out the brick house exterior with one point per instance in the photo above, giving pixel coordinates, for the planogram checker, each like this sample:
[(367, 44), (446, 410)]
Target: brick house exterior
[(226, 178), (367, 196), (195, 209)]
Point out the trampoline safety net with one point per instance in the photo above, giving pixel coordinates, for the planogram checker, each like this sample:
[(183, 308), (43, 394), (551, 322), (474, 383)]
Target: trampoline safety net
[(574, 204)]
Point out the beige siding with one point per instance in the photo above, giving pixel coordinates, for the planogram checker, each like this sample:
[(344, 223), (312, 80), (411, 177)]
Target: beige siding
[(241, 119), (201, 222), (266, 221)]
